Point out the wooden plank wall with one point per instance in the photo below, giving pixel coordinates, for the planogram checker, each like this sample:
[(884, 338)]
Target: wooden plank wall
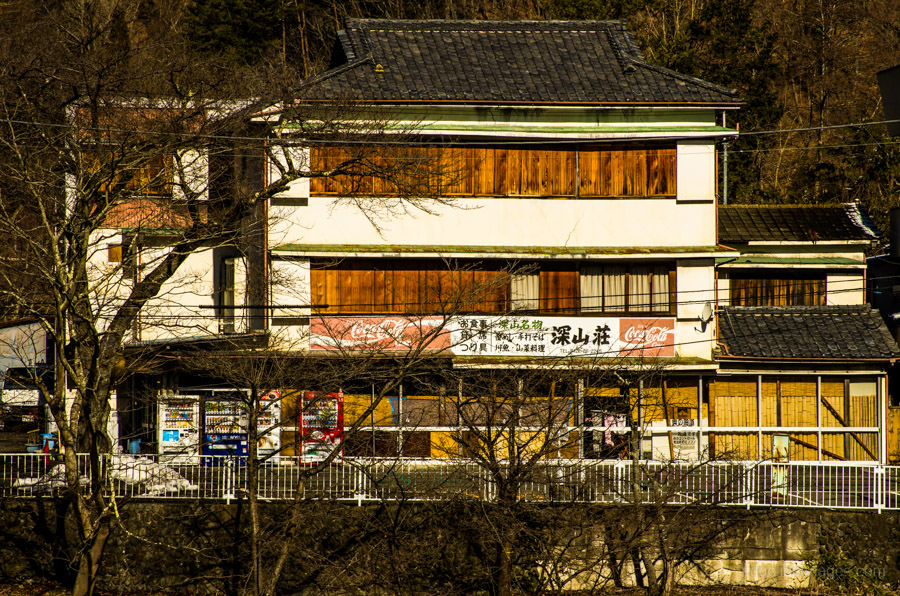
[(746, 291), (406, 287), (560, 291), (733, 403), (791, 401), (495, 171)]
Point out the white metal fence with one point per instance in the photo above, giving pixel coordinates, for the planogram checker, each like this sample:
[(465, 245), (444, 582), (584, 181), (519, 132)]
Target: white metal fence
[(838, 485)]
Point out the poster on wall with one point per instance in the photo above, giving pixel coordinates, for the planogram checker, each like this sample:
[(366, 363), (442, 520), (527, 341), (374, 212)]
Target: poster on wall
[(595, 337)]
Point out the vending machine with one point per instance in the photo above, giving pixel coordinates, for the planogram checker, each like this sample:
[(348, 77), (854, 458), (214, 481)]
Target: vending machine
[(224, 425), (178, 427), (269, 424), (321, 426)]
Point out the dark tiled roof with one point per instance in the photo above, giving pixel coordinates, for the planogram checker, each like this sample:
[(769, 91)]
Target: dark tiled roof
[(821, 332), (794, 223), (502, 61)]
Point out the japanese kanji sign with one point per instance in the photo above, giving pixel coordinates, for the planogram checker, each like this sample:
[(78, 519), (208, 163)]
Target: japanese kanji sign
[(501, 336), (563, 336)]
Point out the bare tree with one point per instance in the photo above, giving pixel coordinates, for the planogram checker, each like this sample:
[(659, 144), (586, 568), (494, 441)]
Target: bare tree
[(124, 166)]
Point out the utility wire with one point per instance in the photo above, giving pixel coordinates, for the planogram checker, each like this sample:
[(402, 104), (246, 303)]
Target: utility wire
[(344, 131)]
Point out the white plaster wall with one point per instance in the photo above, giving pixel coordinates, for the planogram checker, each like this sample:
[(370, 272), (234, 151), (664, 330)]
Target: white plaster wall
[(191, 176), (290, 286), (696, 171), (177, 311), (846, 289), (108, 287), (288, 158), (614, 223), (695, 284), (724, 285), (22, 345)]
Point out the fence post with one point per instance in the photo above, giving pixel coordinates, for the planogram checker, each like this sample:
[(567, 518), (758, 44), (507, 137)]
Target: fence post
[(878, 487), (751, 470), (228, 480)]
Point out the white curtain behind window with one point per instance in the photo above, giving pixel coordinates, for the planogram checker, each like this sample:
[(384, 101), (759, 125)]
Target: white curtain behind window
[(591, 289), (614, 288), (639, 292), (659, 286), (524, 292)]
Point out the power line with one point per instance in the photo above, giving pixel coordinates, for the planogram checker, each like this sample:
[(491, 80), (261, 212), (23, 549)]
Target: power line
[(349, 131), (640, 298), (817, 128)]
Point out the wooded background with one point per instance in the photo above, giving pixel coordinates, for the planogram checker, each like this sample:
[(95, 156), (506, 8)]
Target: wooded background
[(800, 66)]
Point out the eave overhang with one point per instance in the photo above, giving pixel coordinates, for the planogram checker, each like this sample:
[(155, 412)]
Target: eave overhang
[(669, 365), (493, 252), (794, 262), (766, 359)]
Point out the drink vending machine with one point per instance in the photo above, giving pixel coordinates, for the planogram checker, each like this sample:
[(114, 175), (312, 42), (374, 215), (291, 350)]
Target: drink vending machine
[(321, 426), (269, 423), (224, 424), (178, 429)]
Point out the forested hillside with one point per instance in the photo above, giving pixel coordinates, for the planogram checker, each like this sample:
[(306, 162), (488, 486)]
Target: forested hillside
[(802, 67)]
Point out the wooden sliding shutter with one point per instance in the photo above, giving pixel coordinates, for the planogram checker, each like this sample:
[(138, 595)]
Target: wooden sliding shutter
[(495, 171), (627, 172), (560, 291), (746, 291), (418, 287)]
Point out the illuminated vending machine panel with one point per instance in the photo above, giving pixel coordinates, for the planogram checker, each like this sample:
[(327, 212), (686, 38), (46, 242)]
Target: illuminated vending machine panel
[(269, 423), (321, 426), (178, 430), (224, 425)]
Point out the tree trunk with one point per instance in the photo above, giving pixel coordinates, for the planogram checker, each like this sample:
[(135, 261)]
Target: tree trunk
[(89, 561), (296, 519), (503, 580)]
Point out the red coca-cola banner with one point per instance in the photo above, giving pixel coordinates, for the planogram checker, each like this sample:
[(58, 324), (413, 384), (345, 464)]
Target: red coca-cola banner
[(595, 337), (647, 337), (378, 333)]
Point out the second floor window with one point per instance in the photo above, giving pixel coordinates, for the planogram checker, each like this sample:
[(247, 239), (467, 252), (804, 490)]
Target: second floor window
[(430, 286), (780, 289), (589, 172), (153, 176)]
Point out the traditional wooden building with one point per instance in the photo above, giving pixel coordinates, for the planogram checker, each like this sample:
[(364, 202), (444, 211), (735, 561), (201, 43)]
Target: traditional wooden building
[(800, 353), (574, 229), (527, 211)]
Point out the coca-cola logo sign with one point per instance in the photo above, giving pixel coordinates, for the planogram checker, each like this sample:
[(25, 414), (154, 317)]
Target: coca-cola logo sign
[(648, 337), (383, 333), (367, 331)]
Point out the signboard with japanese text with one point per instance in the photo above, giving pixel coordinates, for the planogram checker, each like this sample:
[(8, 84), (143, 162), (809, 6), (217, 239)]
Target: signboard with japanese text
[(564, 336), (501, 336)]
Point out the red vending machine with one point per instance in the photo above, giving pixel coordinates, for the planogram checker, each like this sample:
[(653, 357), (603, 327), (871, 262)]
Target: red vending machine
[(321, 426)]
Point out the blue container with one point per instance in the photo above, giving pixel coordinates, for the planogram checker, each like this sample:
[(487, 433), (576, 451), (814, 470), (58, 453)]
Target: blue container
[(134, 446), (49, 442)]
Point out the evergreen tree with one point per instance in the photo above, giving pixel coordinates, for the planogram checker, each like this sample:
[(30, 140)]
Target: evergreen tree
[(240, 31)]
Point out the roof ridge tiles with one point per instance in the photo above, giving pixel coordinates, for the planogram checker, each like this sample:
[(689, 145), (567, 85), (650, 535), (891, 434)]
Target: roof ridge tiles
[(582, 62), (837, 332)]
